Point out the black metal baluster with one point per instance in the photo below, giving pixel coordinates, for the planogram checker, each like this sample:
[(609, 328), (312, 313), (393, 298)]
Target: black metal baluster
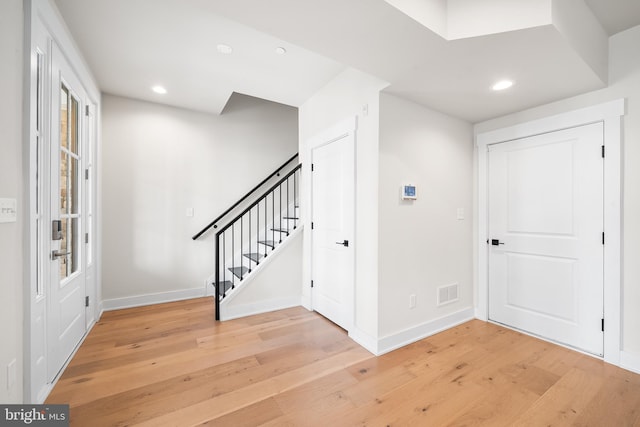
[(295, 200), (224, 257), (273, 216), (249, 241), (257, 233), (288, 216), (280, 215), (233, 253), (241, 245), (266, 205), (217, 277)]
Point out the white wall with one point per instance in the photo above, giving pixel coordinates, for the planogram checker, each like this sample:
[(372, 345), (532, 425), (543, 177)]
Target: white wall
[(350, 94), (422, 244), (157, 162), (624, 82), (471, 18), (11, 186), (430, 13), (582, 30)]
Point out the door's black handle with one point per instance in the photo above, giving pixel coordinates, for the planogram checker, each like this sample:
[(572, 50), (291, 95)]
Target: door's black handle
[(344, 243), (496, 242)]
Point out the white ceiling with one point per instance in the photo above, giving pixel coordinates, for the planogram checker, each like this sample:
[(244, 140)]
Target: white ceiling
[(132, 45)]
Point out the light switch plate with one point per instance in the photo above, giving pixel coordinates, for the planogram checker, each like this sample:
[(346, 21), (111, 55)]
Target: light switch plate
[(8, 210), (190, 212), (460, 213)]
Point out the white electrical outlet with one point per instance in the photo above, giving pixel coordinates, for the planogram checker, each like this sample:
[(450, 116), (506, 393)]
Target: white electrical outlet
[(11, 374), (190, 212), (412, 301), (460, 214)]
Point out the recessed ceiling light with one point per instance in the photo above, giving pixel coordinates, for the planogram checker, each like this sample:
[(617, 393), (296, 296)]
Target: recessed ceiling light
[(280, 50), (502, 85), (225, 49), (159, 89)]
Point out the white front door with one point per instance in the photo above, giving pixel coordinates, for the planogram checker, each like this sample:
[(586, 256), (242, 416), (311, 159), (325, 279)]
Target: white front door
[(546, 236), (333, 221), (66, 300)]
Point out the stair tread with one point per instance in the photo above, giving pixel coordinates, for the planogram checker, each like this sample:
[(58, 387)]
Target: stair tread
[(224, 287), (290, 217), (281, 230), (253, 256), (269, 243), (239, 271)]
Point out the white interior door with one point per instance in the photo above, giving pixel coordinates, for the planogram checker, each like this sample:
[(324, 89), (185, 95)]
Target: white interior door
[(332, 217), (66, 300), (546, 236)]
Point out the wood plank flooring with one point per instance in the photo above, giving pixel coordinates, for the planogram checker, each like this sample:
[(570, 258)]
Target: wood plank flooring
[(173, 365)]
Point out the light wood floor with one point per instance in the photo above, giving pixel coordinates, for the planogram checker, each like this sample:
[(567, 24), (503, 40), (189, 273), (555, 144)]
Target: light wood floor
[(173, 365)]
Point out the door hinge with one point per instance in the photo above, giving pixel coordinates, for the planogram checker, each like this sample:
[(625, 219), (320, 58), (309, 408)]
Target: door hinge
[(86, 110), (603, 151), (312, 283), (86, 237), (602, 325), (603, 237), (312, 225), (311, 167), (86, 301), (86, 174)]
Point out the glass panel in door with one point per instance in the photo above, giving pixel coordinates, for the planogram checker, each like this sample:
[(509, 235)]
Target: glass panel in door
[(69, 183)]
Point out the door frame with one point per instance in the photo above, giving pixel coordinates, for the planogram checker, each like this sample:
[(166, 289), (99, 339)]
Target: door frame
[(610, 114), (43, 27), (345, 129)]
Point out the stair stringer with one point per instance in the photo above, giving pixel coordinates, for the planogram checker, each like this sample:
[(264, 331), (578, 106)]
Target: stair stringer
[(229, 310)]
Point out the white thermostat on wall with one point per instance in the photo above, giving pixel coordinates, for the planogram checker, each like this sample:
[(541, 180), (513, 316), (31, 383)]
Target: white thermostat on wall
[(409, 192)]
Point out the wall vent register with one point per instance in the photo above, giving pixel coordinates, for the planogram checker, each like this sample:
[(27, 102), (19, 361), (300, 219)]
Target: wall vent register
[(447, 294)]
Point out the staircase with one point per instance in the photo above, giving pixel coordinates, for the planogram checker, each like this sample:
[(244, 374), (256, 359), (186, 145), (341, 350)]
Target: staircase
[(253, 228), (239, 262)]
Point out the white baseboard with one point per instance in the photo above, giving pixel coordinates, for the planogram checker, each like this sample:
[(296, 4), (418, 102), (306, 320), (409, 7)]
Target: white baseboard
[(148, 299), (480, 314), (306, 302), (365, 340), (100, 310), (416, 333), (266, 306), (630, 362)]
